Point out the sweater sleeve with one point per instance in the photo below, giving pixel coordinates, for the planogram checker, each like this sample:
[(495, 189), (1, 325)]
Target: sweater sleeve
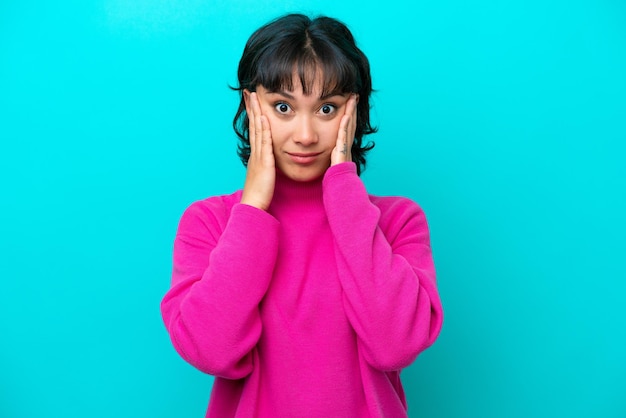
[(222, 268), (386, 271)]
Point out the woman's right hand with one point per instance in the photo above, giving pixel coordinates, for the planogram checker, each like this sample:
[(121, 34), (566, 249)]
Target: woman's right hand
[(261, 174)]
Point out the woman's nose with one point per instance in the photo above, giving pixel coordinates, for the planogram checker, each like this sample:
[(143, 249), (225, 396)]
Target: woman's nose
[(305, 132)]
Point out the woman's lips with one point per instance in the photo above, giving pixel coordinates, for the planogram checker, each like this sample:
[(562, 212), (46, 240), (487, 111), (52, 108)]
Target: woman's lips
[(303, 157)]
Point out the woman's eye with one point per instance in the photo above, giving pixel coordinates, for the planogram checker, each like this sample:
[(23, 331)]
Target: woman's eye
[(282, 108), (327, 109)]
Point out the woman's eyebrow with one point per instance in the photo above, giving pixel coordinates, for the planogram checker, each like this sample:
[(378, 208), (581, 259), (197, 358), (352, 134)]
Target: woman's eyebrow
[(332, 94), (324, 97), (282, 93)]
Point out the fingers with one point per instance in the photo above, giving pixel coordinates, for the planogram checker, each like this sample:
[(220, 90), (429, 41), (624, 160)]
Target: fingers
[(345, 135), (259, 132), (349, 119), (260, 176), (341, 152), (256, 126), (351, 110), (262, 132), (250, 112), (347, 130), (266, 152)]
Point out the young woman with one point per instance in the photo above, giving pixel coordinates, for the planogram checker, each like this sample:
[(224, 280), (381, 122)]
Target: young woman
[(303, 295)]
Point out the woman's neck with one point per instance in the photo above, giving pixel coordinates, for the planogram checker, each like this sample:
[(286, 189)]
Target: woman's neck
[(292, 192)]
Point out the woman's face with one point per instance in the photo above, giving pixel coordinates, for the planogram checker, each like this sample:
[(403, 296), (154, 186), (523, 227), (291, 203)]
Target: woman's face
[(304, 128)]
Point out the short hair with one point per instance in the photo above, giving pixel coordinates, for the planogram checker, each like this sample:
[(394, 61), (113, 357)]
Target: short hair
[(297, 41)]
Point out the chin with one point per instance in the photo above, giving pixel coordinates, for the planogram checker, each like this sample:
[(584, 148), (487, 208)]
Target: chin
[(304, 175)]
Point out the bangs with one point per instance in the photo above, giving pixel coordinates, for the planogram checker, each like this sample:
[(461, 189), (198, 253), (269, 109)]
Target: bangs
[(311, 62)]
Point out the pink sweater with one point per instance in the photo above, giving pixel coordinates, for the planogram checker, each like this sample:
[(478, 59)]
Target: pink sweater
[(310, 309)]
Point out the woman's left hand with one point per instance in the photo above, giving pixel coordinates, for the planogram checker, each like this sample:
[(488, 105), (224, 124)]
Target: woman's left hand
[(345, 137)]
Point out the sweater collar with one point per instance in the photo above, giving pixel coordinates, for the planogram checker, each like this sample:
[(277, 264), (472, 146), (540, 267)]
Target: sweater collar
[(288, 191)]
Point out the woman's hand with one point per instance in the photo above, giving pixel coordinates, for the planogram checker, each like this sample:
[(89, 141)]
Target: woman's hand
[(261, 175), (345, 137)]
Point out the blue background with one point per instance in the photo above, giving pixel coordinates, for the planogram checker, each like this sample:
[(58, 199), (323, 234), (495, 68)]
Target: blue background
[(504, 120)]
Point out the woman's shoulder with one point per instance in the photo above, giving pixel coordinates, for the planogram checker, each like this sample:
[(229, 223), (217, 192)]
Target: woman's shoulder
[(211, 210), (398, 211), (394, 204), (220, 202)]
